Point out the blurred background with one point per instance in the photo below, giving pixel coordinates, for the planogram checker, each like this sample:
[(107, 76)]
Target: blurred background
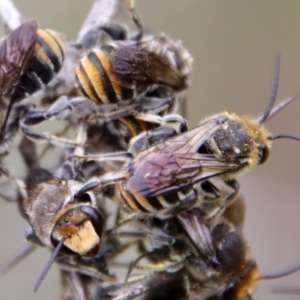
[(234, 44)]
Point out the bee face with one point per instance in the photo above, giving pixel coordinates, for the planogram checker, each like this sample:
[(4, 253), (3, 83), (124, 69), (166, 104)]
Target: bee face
[(54, 214), (83, 228)]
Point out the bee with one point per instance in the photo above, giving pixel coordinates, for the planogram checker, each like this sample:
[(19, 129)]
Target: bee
[(160, 179), (126, 69), (71, 226), (216, 265), (30, 57), (120, 72), (221, 260)]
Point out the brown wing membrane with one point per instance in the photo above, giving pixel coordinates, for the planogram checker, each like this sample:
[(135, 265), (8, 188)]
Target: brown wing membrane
[(161, 173), (197, 232), (176, 163), (190, 141), (16, 54), (135, 66)]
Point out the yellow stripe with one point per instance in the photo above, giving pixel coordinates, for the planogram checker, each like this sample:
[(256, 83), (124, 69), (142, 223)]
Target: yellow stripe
[(60, 45), (105, 60), (145, 203), (163, 202), (130, 126), (40, 51), (128, 199), (94, 78)]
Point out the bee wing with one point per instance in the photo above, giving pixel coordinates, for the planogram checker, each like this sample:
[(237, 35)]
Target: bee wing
[(197, 232), (176, 163), (16, 53), (162, 173), (135, 66), (190, 141)]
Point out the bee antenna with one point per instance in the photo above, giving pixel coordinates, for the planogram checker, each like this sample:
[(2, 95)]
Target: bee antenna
[(17, 258), (284, 136), (280, 274), (49, 264), (280, 106), (274, 91)]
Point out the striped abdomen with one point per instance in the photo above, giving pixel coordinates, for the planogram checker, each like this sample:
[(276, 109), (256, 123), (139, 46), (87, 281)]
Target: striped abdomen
[(47, 61), (130, 126), (98, 81), (163, 204)]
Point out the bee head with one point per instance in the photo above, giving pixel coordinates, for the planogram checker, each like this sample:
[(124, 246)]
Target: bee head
[(82, 228), (245, 139)]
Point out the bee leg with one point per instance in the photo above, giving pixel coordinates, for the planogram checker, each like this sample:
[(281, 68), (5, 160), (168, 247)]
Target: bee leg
[(5, 172), (187, 201), (175, 121), (117, 156), (134, 264), (137, 21), (32, 238), (232, 183), (142, 235), (116, 32), (168, 129), (59, 110), (100, 182), (146, 139), (75, 286), (147, 284), (155, 100), (114, 111), (47, 138), (71, 169), (228, 199), (16, 259), (210, 190), (28, 152), (20, 185), (94, 267), (236, 187), (92, 37)]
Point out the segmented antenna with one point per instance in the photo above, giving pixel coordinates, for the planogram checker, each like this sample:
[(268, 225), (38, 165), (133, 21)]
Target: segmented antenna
[(274, 91), (49, 264)]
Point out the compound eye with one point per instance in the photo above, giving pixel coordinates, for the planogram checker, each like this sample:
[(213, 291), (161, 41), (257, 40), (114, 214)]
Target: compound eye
[(263, 153)]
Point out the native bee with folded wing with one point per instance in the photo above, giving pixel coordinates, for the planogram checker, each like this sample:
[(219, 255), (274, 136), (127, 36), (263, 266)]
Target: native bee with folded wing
[(29, 58)]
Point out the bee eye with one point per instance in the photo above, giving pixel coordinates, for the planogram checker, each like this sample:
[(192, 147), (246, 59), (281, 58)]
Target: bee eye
[(263, 153)]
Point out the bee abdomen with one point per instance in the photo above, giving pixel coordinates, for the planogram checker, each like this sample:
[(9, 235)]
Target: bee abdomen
[(135, 126), (151, 205), (47, 61), (98, 81)]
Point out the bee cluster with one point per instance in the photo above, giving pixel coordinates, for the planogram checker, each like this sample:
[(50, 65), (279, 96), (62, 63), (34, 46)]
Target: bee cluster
[(137, 204)]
